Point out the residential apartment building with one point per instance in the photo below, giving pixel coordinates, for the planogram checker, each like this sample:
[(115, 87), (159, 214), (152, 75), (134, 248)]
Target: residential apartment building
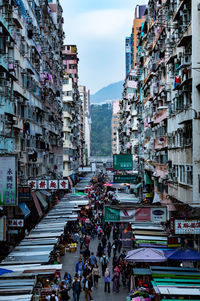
[(31, 71), (166, 100), (128, 129), (31, 86), (85, 127), (128, 54), (72, 110), (115, 126)]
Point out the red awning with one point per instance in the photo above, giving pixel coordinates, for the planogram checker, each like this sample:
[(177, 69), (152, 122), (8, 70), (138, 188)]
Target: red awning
[(37, 205)]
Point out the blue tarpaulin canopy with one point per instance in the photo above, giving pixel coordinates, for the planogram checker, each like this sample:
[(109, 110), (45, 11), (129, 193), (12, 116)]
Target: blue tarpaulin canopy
[(4, 271), (182, 254)]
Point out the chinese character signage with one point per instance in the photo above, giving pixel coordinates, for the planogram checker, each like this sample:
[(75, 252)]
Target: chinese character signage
[(32, 184), (63, 184), (122, 162), (125, 179), (53, 184), (42, 184), (8, 189), (19, 223), (48, 184), (24, 192), (187, 226)]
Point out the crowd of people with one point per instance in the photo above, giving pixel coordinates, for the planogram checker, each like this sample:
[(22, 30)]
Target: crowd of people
[(106, 262)]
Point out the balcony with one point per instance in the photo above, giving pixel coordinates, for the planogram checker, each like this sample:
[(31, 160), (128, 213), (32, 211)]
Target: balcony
[(6, 26), (4, 62), (161, 114), (161, 142)]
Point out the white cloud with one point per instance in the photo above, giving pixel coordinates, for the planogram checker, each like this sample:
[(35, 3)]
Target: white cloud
[(100, 37), (101, 24)]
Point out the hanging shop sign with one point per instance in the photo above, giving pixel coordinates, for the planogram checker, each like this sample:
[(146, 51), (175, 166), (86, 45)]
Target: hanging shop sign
[(14, 222), (48, 184), (8, 184), (42, 184), (122, 162), (125, 179), (3, 228), (53, 184), (63, 184), (137, 214), (24, 192), (187, 226)]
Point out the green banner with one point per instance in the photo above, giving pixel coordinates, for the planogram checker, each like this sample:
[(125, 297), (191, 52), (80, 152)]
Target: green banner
[(111, 215), (122, 162), (8, 187), (125, 179)]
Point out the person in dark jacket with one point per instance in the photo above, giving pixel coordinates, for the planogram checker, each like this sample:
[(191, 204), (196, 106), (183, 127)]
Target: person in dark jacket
[(76, 286), (64, 293)]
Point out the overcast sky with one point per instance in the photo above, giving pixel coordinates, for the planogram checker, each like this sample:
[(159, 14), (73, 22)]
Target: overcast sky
[(99, 28)]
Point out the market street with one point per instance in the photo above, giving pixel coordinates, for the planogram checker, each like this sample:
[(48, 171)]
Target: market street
[(69, 260)]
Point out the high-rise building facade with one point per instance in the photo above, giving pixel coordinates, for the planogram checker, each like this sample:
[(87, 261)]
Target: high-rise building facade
[(115, 126), (72, 110), (166, 100), (31, 72)]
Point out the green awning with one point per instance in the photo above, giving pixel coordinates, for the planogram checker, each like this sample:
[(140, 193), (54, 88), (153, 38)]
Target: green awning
[(147, 179), (42, 200)]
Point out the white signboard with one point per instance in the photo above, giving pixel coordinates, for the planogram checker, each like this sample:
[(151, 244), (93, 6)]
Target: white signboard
[(53, 184), (8, 191), (63, 184), (84, 169), (32, 184), (187, 226), (49, 184), (15, 222), (42, 184)]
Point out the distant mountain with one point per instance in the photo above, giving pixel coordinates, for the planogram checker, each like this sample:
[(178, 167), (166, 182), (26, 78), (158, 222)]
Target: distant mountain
[(111, 92)]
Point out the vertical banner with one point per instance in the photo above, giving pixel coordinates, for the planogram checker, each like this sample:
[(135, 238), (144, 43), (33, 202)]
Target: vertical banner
[(3, 228), (8, 180)]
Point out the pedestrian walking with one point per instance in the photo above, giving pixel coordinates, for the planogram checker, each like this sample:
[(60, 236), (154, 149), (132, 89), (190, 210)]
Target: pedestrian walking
[(109, 249), (114, 261), (115, 280), (107, 281), (92, 260), (80, 267), (103, 241), (104, 262), (76, 286), (86, 254), (88, 289), (99, 250), (96, 275)]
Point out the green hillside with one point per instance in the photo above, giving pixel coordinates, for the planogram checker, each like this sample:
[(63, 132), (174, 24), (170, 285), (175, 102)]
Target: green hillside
[(101, 116)]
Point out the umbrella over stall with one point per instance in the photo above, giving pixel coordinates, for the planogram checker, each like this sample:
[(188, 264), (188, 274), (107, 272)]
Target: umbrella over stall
[(146, 255)]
